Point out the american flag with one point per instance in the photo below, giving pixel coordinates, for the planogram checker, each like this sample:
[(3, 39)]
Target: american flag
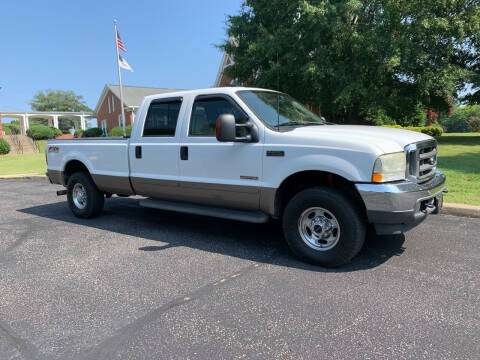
[(120, 43)]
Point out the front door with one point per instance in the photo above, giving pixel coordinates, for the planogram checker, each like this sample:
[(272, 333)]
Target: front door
[(154, 150), (218, 173)]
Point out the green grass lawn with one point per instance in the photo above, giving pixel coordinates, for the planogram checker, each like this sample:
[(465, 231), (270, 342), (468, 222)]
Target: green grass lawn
[(459, 159), (26, 163)]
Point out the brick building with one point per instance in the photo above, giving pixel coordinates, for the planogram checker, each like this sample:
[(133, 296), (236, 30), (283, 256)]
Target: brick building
[(108, 107), (223, 79)]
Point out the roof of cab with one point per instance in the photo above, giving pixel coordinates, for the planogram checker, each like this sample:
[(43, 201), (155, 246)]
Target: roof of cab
[(207, 91)]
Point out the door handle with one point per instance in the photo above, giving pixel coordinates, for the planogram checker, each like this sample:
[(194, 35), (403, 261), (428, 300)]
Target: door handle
[(184, 153), (138, 152)]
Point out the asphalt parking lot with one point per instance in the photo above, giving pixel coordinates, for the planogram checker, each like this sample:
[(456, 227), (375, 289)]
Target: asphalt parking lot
[(137, 283)]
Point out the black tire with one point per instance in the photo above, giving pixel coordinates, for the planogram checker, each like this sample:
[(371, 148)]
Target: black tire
[(350, 222), (94, 199)]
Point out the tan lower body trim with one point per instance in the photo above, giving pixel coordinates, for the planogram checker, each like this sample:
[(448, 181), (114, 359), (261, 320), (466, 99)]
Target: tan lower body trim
[(231, 196), (55, 176), (113, 184)]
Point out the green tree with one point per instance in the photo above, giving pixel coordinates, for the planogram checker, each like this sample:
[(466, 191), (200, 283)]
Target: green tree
[(459, 120), (58, 100), (356, 59), (12, 128)]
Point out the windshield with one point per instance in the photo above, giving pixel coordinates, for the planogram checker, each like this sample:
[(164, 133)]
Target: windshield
[(277, 109)]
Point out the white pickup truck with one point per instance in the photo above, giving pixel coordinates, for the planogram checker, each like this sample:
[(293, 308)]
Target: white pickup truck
[(252, 154)]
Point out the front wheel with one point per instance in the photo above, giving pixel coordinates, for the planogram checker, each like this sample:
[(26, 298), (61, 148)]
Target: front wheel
[(323, 227), (84, 198)]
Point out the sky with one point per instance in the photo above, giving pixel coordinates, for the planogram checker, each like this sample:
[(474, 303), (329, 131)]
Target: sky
[(70, 45)]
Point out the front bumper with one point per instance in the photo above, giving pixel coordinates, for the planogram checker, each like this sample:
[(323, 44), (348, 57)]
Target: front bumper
[(397, 207)]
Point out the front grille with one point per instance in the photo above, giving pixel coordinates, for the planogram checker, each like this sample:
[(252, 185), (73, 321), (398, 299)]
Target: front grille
[(421, 160)]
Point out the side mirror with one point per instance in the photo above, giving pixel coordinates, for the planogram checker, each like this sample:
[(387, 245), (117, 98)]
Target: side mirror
[(226, 130)]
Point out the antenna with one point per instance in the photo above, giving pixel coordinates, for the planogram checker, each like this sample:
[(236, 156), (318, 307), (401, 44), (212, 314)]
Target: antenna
[(278, 95), (278, 75)]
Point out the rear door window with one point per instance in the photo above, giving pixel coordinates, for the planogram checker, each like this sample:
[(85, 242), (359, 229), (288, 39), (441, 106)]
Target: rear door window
[(162, 118)]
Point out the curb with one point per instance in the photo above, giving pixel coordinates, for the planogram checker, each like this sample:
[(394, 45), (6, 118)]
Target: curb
[(461, 210), (23, 176)]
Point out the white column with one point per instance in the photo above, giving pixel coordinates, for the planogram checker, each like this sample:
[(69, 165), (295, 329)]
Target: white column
[(55, 121), (82, 122), (25, 124)]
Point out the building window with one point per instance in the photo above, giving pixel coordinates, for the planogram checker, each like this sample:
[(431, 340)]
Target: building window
[(113, 104), (109, 107), (162, 118), (104, 127)]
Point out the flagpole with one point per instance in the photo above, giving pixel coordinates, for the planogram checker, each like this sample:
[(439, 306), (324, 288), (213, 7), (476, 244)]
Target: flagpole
[(119, 79)]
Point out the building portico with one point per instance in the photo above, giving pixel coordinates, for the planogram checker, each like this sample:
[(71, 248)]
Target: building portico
[(51, 116)]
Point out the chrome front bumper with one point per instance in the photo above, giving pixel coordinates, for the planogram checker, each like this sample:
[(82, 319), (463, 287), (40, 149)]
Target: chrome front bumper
[(397, 207)]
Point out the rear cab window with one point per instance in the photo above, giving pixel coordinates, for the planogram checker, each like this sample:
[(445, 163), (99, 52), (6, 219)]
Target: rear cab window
[(162, 117)]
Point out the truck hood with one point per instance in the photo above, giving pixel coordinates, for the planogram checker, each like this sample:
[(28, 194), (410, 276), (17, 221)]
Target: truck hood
[(382, 139)]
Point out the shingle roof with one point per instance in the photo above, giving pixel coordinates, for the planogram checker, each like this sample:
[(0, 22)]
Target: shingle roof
[(133, 95)]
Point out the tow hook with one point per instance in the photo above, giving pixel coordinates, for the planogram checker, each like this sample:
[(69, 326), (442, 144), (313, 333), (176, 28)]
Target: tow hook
[(438, 202)]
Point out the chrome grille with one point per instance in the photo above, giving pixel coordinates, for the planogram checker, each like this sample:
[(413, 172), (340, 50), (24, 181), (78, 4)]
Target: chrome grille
[(421, 160)]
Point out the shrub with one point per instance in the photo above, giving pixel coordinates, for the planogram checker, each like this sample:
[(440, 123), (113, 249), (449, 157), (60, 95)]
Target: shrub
[(11, 129), (40, 132), (474, 124), (118, 131), (4, 147), (78, 133), (56, 132), (435, 131), (93, 132), (379, 117)]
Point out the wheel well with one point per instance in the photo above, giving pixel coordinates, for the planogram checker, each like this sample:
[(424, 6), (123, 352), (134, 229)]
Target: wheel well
[(300, 181), (72, 167)]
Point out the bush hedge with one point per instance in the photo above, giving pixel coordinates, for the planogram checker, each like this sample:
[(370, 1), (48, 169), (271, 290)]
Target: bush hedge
[(435, 131), (4, 147), (56, 132), (93, 132), (40, 132), (78, 133), (474, 124), (118, 131)]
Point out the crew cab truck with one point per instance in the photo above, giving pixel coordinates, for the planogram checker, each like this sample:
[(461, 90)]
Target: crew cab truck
[(253, 154)]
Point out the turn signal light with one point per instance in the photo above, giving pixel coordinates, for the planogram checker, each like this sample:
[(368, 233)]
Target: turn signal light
[(377, 177)]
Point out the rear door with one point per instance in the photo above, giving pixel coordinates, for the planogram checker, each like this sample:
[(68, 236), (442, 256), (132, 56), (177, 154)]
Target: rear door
[(218, 173), (154, 149)]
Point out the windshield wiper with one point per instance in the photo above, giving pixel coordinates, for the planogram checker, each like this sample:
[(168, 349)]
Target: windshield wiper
[(295, 123)]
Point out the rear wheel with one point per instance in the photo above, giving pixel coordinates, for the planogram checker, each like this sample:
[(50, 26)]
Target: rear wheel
[(84, 198), (323, 227)]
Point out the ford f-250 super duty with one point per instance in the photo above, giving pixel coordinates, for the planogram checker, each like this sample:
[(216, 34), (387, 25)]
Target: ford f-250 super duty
[(253, 154)]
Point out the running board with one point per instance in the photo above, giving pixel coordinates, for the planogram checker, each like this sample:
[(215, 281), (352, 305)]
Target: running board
[(257, 217)]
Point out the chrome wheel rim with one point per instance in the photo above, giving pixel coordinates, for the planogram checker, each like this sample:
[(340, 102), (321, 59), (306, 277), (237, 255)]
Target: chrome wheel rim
[(79, 195), (319, 228)]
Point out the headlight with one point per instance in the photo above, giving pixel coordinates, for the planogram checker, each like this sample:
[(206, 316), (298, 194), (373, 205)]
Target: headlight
[(389, 167)]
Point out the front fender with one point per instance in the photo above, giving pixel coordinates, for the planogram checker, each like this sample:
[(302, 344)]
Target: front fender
[(353, 168)]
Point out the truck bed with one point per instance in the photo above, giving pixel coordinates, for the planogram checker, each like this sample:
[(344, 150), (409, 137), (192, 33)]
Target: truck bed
[(105, 157)]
